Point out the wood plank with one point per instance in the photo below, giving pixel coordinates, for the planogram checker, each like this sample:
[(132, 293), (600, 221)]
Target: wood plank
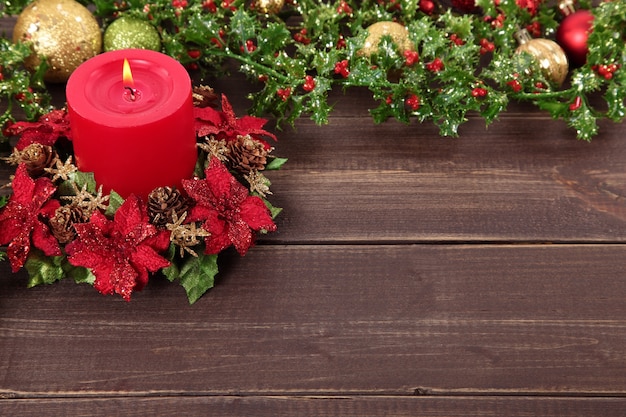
[(345, 406), (335, 320), (361, 183)]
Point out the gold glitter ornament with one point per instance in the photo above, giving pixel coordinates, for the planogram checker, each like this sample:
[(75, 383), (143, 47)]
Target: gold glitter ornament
[(269, 6), (63, 31), (398, 33), (128, 32), (549, 55)]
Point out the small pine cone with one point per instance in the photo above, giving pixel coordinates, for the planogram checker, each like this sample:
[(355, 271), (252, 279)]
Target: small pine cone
[(246, 154), (62, 224), (37, 158), (204, 96), (163, 203)]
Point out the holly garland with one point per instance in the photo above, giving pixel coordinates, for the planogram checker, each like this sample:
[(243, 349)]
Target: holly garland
[(463, 60), (58, 224), (20, 90)]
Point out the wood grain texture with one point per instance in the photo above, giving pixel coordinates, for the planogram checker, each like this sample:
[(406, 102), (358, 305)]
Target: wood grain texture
[(411, 275), (345, 406), (377, 320)]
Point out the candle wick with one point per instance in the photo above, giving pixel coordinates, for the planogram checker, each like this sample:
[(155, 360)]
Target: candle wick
[(132, 92)]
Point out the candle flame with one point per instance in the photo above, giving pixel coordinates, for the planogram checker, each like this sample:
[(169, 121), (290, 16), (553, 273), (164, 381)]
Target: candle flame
[(127, 75)]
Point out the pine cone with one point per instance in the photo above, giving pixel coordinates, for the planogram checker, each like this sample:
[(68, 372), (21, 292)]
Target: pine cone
[(62, 224), (37, 158), (246, 154), (163, 203), (204, 96)]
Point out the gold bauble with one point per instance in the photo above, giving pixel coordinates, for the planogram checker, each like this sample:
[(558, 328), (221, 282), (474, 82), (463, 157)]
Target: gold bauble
[(269, 6), (63, 31), (398, 33), (549, 55)]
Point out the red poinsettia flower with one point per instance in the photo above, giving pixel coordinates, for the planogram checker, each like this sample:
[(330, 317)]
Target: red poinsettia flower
[(119, 252), (225, 125), (45, 131), (24, 217), (229, 213)]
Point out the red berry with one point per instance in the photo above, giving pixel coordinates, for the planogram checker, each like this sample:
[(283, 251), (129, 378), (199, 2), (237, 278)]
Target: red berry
[(411, 58), (344, 8), (576, 103), (209, 5), (284, 93), (341, 68), (515, 85), (456, 39), (194, 53), (435, 66), (479, 92), (309, 83), (413, 102)]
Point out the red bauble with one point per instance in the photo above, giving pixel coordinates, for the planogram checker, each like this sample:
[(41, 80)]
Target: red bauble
[(572, 36)]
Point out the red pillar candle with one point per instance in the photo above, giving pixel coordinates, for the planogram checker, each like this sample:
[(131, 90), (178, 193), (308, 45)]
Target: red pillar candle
[(133, 135)]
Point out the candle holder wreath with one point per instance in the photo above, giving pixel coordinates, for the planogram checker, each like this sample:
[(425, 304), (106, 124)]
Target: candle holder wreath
[(58, 223), (424, 60)]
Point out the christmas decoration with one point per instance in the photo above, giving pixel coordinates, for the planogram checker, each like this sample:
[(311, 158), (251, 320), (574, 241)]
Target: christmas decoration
[(62, 31), (573, 32), (398, 34), (128, 32), (461, 60), (549, 55), (269, 6), (58, 223)]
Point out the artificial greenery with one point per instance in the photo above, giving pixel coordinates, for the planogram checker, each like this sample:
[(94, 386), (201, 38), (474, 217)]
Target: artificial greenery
[(21, 91), (310, 47)]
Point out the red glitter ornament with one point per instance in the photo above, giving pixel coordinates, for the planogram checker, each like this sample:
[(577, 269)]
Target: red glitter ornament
[(572, 35)]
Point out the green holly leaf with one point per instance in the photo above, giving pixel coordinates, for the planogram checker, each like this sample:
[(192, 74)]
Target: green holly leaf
[(614, 97), (43, 269), (274, 211), (275, 163), (584, 122), (197, 275), (115, 201)]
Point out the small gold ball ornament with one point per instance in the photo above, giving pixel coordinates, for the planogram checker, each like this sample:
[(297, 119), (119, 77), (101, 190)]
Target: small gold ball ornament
[(398, 33), (63, 31), (131, 33), (269, 6), (549, 55)]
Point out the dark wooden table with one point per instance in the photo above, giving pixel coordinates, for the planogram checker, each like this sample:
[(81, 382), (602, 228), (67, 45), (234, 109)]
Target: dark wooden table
[(411, 275)]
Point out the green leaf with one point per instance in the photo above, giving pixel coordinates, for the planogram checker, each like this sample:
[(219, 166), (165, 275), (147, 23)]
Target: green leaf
[(197, 275), (84, 179), (172, 272), (115, 201), (274, 211), (43, 269), (4, 200), (584, 122), (275, 163), (79, 274)]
